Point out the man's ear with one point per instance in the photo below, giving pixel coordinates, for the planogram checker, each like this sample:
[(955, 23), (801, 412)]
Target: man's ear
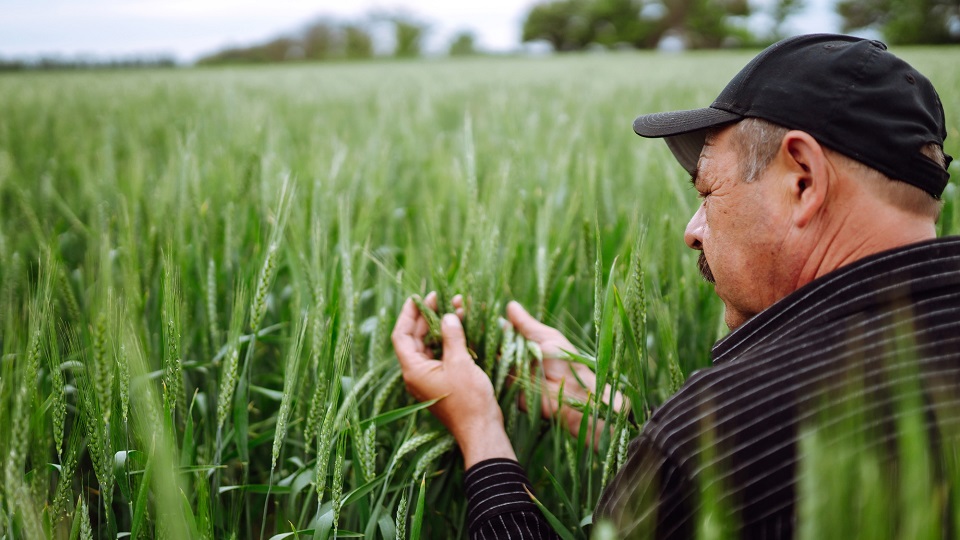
[(807, 175)]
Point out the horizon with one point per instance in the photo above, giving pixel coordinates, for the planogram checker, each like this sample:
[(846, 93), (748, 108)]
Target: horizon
[(188, 30)]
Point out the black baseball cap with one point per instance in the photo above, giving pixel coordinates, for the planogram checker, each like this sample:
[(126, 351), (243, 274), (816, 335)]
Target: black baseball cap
[(849, 93)]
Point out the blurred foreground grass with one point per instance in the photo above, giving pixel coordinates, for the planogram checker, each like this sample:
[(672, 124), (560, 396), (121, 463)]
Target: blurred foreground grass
[(199, 271)]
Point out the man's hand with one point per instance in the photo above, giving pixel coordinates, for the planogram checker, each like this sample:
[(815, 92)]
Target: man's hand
[(467, 403), (578, 380)]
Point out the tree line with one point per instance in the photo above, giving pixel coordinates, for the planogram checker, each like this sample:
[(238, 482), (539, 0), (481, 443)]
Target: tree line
[(56, 63), (570, 25), (578, 24), (922, 22), (573, 25), (329, 39)]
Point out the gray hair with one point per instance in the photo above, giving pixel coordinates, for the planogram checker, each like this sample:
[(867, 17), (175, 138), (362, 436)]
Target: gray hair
[(758, 142)]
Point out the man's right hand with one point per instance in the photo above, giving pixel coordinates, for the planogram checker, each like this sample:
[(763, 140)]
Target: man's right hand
[(578, 380)]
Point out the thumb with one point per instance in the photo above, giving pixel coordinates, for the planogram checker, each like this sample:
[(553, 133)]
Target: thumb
[(454, 341)]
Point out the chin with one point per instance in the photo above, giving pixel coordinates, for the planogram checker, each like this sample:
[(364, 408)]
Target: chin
[(733, 318), (731, 324)]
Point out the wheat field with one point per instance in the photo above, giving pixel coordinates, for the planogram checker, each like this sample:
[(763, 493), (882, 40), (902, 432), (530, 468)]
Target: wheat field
[(200, 269)]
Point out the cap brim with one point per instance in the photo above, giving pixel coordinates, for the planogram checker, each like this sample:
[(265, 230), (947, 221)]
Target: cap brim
[(684, 131)]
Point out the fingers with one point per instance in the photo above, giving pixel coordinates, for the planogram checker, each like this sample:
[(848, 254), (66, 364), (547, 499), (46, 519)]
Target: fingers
[(549, 400), (406, 336), (454, 340), (569, 416), (407, 320), (422, 328), (458, 307), (526, 324), (408, 343), (619, 400)]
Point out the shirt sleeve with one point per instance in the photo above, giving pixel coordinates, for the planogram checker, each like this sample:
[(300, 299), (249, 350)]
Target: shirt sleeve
[(650, 497), (498, 505)]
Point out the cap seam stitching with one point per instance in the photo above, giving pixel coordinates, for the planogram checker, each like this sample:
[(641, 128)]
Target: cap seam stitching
[(840, 90)]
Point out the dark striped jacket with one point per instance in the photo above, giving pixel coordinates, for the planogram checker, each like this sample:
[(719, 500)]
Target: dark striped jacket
[(876, 339)]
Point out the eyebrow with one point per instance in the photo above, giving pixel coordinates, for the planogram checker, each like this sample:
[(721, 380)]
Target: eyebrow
[(708, 140)]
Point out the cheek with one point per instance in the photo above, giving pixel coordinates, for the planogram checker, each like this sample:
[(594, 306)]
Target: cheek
[(727, 243), (716, 231)]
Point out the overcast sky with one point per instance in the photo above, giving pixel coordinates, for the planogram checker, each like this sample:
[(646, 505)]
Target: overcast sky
[(190, 28)]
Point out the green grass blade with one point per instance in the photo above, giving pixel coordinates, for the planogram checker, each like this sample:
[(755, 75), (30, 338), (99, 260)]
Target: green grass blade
[(557, 525), (561, 492), (635, 368), (241, 419), (305, 532), (397, 414), (138, 524), (257, 488), (418, 513), (362, 490), (605, 345), (75, 527)]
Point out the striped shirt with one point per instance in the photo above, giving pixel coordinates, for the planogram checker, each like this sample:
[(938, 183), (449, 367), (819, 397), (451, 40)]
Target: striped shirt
[(889, 324)]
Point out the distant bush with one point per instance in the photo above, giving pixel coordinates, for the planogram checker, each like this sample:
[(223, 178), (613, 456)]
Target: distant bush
[(327, 39)]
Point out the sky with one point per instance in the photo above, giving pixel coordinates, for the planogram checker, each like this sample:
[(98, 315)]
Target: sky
[(188, 29)]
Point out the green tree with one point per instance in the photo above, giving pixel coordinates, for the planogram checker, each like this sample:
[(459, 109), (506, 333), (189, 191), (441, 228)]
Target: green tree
[(463, 44), (574, 24), (279, 49), (321, 41), (409, 36), (904, 21), (563, 23), (780, 12), (357, 42), (708, 24), (618, 22)]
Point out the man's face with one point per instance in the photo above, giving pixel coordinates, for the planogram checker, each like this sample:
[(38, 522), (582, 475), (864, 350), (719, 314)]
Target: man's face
[(742, 231)]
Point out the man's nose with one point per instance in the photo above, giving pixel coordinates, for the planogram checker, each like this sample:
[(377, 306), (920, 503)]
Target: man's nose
[(693, 236)]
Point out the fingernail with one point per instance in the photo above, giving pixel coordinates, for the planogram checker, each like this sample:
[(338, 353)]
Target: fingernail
[(450, 319)]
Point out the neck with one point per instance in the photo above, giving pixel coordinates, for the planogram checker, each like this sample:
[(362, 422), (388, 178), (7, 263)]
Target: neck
[(860, 235)]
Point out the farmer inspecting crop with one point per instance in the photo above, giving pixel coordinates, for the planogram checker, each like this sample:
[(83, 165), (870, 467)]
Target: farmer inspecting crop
[(820, 166)]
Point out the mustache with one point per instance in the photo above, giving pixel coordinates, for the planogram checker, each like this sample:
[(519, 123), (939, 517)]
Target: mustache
[(704, 268)]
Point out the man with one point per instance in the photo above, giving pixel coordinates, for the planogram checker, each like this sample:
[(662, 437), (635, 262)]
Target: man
[(820, 166)]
